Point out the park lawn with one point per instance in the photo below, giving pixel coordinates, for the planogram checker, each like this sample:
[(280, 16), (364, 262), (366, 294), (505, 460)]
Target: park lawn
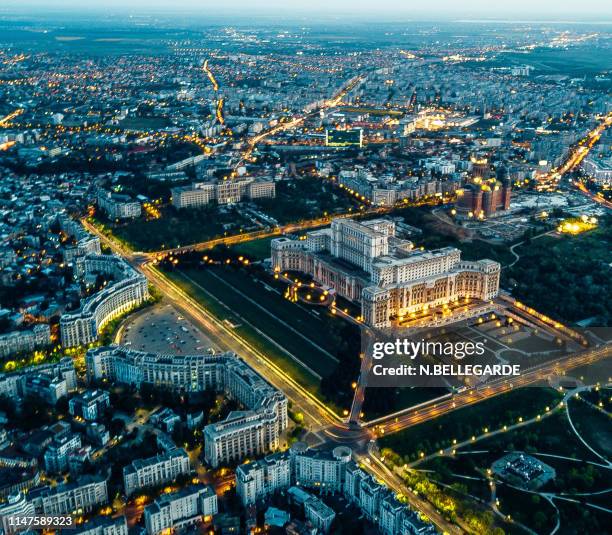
[(269, 291), (529, 509), (264, 332), (305, 198), (566, 278), (579, 518), (249, 334), (380, 401), (551, 436), (450, 470), (254, 249), (594, 426), (461, 424), (271, 327), (176, 228)]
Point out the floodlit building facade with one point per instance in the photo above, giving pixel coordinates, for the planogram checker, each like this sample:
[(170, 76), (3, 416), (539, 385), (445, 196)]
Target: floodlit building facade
[(223, 192), (365, 262), (127, 290)]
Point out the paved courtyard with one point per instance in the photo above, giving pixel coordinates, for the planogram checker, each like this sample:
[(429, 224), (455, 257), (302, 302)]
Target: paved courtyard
[(164, 330)]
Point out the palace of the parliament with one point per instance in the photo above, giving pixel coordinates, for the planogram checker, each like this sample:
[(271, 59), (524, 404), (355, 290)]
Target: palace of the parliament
[(365, 262)]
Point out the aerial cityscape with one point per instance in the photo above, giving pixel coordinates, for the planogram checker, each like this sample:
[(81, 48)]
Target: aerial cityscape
[(334, 268)]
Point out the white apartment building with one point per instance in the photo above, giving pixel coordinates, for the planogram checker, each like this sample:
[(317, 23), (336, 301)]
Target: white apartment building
[(365, 262), (16, 341), (261, 189), (388, 190), (56, 455), (328, 472), (17, 504), (163, 468), (117, 206), (187, 162), (89, 405), (241, 434), (69, 498), (222, 191), (599, 169), (370, 495), (198, 194), (61, 379), (180, 509), (319, 469), (43, 386), (253, 431), (318, 514), (103, 525), (259, 479), (128, 290), (391, 515)]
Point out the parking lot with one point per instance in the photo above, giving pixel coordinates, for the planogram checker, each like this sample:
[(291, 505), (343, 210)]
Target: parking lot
[(164, 330)]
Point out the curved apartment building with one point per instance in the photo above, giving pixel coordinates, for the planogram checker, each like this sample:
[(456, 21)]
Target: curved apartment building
[(127, 290)]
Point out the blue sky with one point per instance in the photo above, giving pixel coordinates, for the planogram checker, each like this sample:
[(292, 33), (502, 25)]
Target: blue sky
[(596, 10)]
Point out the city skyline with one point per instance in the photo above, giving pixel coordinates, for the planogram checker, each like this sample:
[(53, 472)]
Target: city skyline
[(599, 12)]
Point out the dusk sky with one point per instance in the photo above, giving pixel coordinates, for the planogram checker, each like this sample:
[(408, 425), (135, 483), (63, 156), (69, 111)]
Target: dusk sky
[(595, 10)]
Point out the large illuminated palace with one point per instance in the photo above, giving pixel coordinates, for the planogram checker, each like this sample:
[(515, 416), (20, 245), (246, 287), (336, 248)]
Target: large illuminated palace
[(365, 262)]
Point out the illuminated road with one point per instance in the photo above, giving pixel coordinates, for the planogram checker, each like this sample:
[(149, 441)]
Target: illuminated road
[(220, 117), (226, 338), (372, 464), (320, 420), (400, 421), (315, 412), (211, 76), (296, 121), (583, 189), (578, 153), (249, 236), (220, 101), (8, 118)]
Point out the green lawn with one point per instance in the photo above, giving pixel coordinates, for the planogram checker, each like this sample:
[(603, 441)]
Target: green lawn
[(594, 426), (305, 198), (178, 227), (528, 509), (267, 328), (254, 249), (461, 424), (552, 435), (380, 400), (249, 334)]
